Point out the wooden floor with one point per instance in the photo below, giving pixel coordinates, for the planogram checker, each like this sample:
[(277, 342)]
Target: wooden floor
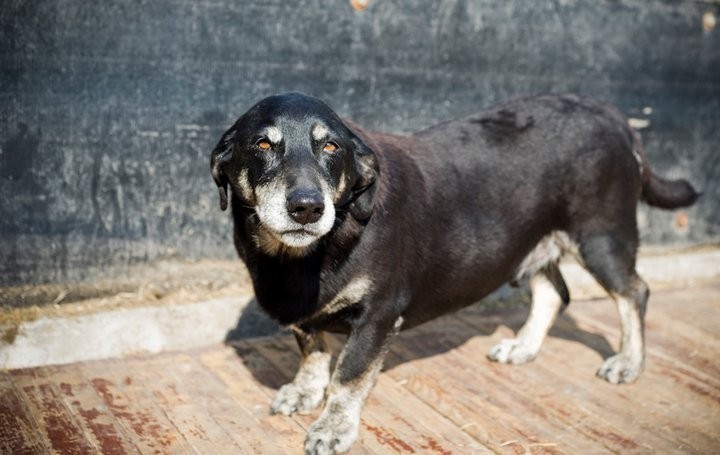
[(438, 394)]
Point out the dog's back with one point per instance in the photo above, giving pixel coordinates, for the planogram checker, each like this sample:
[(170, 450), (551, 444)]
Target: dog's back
[(495, 183)]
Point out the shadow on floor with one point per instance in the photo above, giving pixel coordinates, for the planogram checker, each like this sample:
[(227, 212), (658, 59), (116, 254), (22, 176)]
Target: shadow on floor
[(253, 323), (433, 338)]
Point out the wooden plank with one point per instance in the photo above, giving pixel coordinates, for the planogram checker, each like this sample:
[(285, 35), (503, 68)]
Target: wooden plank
[(182, 399), (438, 395), (383, 428), (666, 336), (281, 354), (91, 413), (474, 399), (406, 417), (247, 427), (442, 396), (669, 432), (486, 420), (545, 407), (649, 411), (397, 420), (263, 432), (19, 430), (133, 408), (693, 305), (571, 367), (675, 346), (55, 420), (682, 402)]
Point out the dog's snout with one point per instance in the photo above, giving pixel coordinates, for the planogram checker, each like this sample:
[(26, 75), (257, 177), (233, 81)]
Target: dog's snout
[(305, 206)]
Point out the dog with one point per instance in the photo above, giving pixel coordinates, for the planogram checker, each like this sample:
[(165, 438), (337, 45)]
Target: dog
[(368, 234)]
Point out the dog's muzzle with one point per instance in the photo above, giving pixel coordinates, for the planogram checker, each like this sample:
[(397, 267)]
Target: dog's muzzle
[(296, 217)]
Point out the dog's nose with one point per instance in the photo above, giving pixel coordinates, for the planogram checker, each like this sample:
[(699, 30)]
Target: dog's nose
[(305, 206)]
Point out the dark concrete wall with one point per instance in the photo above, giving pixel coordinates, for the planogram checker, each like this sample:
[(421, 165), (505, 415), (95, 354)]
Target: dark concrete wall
[(108, 110)]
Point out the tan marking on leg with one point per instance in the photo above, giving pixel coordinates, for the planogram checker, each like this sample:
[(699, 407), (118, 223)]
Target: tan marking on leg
[(337, 427), (627, 364), (307, 390), (546, 303), (351, 294)]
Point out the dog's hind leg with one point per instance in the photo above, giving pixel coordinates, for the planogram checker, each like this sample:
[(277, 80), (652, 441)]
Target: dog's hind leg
[(611, 260), (627, 365), (549, 295), (307, 389)]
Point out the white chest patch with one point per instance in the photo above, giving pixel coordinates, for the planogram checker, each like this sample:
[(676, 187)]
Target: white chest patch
[(351, 294)]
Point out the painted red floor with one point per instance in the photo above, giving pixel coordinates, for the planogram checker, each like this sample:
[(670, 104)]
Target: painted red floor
[(438, 394)]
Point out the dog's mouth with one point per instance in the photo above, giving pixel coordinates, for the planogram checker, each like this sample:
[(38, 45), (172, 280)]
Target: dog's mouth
[(281, 229), (300, 234), (295, 241)]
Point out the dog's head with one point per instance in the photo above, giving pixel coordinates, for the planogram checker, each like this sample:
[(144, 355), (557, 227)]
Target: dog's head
[(293, 161)]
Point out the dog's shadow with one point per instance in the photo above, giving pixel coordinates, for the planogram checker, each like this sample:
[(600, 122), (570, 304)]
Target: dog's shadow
[(270, 354)]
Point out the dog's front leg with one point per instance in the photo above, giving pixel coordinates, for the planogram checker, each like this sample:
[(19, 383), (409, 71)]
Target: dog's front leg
[(357, 368), (307, 390)]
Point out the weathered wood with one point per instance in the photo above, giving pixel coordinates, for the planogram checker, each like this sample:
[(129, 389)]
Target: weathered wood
[(438, 393), (566, 390), (262, 432), (92, 415), (20, 432), (184, 399), (141, 419), (495, 394), (59, 425), (385, 416)]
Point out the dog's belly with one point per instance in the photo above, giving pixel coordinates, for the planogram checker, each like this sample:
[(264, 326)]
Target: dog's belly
[(462, 277), (467, 256), (448, 293)]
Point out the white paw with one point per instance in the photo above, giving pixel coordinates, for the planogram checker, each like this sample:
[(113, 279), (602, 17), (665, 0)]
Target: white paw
[(512, 351), (293, 398), (331, 433), (620, 369)]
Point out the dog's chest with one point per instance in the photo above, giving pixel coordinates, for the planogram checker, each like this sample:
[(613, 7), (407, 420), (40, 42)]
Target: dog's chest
[(288, 292), (293, 293)]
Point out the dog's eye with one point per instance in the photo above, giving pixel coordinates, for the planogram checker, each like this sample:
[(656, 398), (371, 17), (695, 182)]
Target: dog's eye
[(263, 144), (330, 147)]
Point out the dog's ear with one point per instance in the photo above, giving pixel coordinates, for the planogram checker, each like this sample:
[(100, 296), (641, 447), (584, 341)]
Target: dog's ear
[(220, 155), (367, 171)]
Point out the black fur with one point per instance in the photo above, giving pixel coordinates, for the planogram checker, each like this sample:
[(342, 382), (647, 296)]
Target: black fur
[(439, 219), (457, 206)]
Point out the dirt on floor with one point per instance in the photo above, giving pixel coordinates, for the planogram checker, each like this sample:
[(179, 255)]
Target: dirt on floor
[(167, 282)]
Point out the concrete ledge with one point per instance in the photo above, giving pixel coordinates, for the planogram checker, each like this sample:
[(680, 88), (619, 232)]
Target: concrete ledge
[(150, 329), (121, 332), (659, 269)]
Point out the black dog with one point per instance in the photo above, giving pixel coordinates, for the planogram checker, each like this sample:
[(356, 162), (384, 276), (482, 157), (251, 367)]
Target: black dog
[(365, 234)]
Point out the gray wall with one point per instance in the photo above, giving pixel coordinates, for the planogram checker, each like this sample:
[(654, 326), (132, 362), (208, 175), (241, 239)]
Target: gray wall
[(108, 110)]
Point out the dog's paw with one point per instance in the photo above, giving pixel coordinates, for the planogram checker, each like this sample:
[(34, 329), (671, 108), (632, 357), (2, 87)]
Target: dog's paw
[(293, 398), (620, 369), (512, 351), (331, 433)]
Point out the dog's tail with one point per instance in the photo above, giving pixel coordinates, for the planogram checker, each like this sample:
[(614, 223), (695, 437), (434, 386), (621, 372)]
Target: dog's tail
[(668, 194), (658, 191)]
